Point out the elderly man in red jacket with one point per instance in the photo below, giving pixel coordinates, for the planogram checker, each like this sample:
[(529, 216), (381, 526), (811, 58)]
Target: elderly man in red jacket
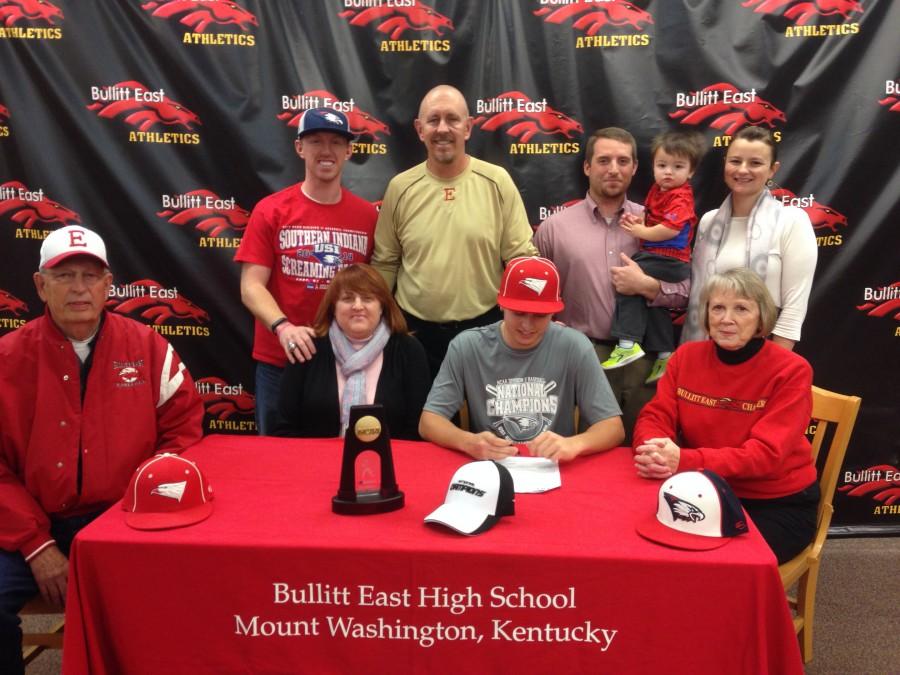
[(87, 395)]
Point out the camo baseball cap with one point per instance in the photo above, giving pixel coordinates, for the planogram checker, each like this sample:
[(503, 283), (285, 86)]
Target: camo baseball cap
[(530, 285), (69, 241), (324, 119)]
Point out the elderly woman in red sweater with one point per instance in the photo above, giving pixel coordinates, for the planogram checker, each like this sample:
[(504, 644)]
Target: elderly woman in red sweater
[(738, 404)]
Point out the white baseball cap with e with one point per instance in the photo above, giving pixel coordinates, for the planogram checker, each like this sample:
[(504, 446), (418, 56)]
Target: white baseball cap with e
[(70, 241)]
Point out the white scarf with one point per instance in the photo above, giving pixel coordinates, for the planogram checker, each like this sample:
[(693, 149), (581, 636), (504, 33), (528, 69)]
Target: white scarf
[(353, 365), (764, 226)]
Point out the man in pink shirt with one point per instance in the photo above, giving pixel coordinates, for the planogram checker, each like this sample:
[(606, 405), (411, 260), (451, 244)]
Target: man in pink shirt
[(593, 255)]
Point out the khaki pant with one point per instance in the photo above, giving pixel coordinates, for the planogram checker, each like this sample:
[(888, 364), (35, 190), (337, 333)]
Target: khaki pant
[(628, 386)]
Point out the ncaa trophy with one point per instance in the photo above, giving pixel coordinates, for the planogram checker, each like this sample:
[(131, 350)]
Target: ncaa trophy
[(367, 452)]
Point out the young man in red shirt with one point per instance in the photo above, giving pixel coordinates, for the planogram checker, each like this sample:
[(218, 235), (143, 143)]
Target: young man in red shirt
[(296, 240)]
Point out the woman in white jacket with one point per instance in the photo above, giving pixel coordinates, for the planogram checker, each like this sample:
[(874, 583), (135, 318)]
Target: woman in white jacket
[(754, 229)]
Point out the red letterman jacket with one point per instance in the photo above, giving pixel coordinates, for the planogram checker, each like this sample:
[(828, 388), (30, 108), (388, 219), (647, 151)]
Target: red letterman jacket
[(139, 400)]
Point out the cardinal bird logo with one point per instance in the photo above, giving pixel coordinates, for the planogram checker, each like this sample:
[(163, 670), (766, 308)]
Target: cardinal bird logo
[(210, 221), (395, 21), (13, 11), (198, 16), (361, 122), (729, 117), (12, 304), (222, 405), (145, 114), (884, 307), (682, 509), (892, 102), (26, 213), (887, 491), (527, 125), (822, 217), (592, 16), (804, 11), (151, 305)]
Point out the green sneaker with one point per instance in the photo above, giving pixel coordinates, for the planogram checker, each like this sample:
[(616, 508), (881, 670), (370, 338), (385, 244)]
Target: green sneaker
[(622, 357), (656, 372)]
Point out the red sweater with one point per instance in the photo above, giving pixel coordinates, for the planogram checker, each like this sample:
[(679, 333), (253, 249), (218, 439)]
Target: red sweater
[(746, 422), (139, 400)]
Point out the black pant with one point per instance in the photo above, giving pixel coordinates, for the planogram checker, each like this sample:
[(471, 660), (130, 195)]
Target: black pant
[(788, 524), (651, 326), (17, 586), (435, 337)]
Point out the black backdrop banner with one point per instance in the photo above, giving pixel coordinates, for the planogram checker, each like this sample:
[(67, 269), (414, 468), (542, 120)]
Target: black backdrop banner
[(161, 123)]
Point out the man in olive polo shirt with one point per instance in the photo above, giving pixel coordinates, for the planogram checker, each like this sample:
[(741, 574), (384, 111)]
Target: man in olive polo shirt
[(446, 228)]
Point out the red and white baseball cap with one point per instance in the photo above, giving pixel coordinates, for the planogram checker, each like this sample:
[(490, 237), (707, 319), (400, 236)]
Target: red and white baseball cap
[(69, 241), (530, 285), (480, 493), (696, 510), (167, 491)]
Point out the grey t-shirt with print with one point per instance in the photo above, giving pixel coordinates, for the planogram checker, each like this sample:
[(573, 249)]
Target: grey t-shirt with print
[(518, 394)]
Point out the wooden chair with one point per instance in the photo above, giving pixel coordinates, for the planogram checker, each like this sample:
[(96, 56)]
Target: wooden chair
[(33, 644), (464, 416), (840, 411)]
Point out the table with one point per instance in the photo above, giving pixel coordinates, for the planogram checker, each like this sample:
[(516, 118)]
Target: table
[(274, 582)]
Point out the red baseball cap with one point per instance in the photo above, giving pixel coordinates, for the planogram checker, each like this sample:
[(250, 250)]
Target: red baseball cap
[(530, 285), (167, 491)]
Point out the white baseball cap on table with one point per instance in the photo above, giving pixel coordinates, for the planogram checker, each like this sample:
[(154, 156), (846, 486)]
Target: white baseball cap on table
[(480, 493)]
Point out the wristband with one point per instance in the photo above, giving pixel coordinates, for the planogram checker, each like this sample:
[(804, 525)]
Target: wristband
[(277, 323)]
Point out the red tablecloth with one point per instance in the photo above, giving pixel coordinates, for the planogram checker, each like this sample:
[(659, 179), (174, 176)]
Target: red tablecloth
[(413, 597)]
